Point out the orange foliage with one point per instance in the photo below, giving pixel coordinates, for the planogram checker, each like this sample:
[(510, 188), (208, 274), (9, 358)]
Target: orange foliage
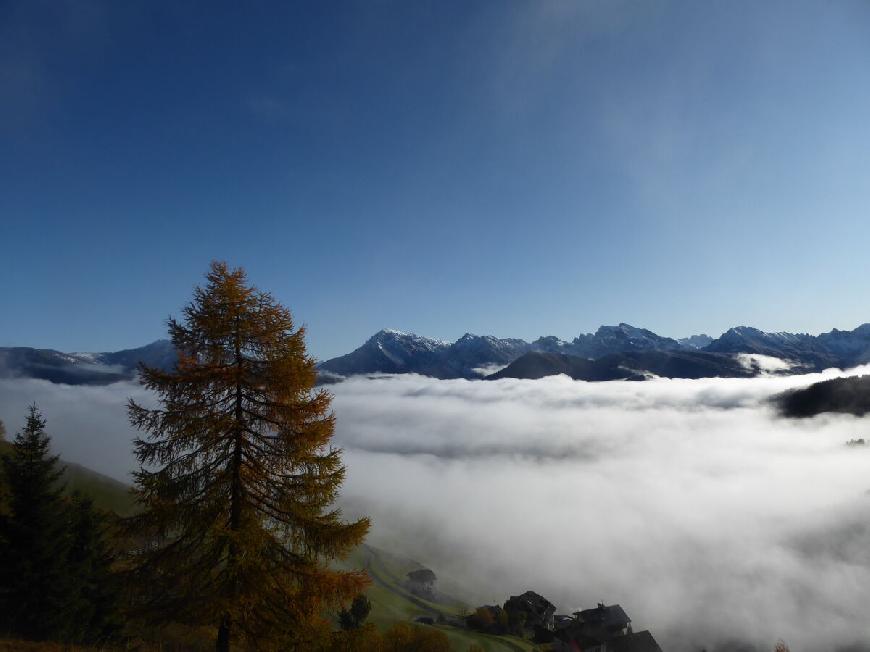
[(238, 477)]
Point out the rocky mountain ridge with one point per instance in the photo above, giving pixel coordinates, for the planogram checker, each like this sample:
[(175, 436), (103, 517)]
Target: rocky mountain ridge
[(621, 351)]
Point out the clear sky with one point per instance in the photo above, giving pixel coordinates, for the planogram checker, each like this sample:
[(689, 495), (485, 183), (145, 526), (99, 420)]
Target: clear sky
[(513, 168)]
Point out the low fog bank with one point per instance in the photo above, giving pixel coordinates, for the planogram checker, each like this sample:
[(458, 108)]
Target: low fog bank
[(689, 502), (88, 424)]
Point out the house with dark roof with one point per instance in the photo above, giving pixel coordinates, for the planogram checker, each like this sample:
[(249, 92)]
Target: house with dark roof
[(634, 642), (422, 582), (532, 609), (602, 629), (604, 621)]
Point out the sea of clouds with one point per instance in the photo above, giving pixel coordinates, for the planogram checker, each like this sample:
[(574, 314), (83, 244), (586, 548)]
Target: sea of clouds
[(689, 502)]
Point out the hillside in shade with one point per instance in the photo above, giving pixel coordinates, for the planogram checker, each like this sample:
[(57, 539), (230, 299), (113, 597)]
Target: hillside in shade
[(839, 395), (627, 366)]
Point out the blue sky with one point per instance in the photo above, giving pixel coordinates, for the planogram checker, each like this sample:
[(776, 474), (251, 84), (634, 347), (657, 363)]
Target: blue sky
[(514, 168)]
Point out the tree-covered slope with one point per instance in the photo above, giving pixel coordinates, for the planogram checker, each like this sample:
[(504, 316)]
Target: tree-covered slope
[(841, 395)]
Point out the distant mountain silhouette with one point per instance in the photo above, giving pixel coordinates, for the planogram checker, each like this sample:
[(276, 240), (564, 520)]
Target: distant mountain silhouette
[(696, 341), (631, 365), (83, 368)]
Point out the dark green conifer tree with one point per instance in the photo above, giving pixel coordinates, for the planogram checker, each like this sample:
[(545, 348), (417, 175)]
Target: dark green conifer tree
[(95, 600), (4, 490), (34, 580)]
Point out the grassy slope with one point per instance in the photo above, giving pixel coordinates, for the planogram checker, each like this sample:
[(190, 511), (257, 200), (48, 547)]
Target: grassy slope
[(107, 493), (392, 602)]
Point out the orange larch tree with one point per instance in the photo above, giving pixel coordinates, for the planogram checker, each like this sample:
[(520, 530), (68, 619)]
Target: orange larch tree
[(237, 477)]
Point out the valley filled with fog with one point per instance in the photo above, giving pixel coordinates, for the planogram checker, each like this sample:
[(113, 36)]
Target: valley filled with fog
[(690, 502)]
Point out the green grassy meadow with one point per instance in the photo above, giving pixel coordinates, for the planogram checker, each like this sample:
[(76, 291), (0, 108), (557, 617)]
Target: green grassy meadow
[(392, 602)]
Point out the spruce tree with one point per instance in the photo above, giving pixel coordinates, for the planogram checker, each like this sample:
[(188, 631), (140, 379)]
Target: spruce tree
[(95, 599), (237, 477), (34, 581)]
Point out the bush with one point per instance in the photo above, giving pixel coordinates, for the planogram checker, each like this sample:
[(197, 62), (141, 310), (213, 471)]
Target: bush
[(354, 617)]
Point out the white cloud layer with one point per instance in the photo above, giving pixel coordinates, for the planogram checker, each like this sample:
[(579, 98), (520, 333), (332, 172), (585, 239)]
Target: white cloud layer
[(88, 424), (766, 364), (689, 502)]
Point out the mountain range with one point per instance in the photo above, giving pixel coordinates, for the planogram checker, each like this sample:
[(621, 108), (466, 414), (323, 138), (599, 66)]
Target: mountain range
[(610, 353)]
